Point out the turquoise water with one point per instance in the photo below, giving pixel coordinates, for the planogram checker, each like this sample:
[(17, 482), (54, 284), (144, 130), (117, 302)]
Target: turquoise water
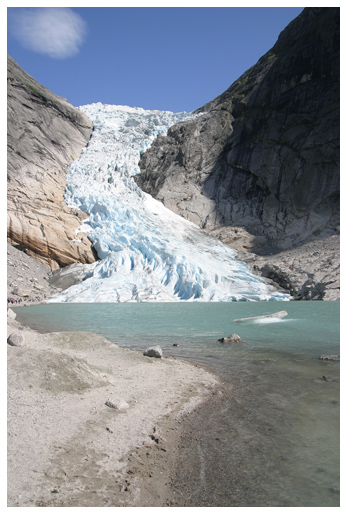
[(279, 425)]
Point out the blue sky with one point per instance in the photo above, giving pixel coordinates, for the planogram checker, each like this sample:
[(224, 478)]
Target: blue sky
[(167, 58)]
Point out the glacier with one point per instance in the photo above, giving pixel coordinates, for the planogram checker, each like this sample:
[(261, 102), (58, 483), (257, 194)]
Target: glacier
[(147, 252)]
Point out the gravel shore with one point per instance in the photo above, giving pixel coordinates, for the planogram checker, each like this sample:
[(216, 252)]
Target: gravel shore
[(94, 425)]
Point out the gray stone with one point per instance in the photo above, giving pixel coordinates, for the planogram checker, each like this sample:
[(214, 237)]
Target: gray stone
[(154, 351), (15, 339), (233, 338), (327, 378), (11, 314), (19, 291), (117, 404), (330, 357)]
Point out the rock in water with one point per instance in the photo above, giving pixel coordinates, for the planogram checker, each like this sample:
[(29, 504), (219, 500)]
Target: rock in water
[(15, 339), (233, 338), (330, 357), (280, 314), (154, 351)]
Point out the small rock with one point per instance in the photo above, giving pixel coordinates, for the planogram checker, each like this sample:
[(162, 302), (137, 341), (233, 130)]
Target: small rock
[(330, 357), (11, 314), (15, 339), (154, 351), (233, 338), (117, 404), (327, 378)]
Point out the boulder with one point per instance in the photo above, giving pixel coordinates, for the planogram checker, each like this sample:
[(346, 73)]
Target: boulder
[(19, 291), (233, 338), (15, 339), (154, 351), (11, 314)]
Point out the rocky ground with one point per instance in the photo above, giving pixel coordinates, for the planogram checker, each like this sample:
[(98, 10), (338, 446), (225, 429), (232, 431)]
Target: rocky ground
[(94, 425), (308, 272), (27, 278)]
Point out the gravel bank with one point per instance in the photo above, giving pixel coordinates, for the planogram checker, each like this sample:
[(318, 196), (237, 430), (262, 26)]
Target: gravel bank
[(67, 447)]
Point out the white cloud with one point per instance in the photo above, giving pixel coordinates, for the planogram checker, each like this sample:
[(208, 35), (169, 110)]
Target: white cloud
[(56, 31)]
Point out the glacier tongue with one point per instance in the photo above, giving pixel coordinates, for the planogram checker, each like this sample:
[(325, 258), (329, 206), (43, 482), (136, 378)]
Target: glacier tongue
[(147, 252)]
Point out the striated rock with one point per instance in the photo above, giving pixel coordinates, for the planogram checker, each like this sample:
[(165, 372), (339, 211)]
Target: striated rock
[(15, 339), (233, 338), (44, 135), (259, 166), (154, 351)]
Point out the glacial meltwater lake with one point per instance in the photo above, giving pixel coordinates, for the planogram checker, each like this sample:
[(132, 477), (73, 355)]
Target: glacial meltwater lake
[(280, 427)]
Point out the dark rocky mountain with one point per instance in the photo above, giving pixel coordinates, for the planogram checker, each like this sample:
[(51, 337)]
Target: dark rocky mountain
[(44, 135), (259, 166)]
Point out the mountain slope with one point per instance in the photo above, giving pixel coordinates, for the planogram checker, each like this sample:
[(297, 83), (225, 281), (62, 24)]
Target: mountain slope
[(265, 154), (45, 134), (260, 166)]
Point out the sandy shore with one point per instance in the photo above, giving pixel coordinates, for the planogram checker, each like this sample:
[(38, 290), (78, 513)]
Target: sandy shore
[(67, 448)]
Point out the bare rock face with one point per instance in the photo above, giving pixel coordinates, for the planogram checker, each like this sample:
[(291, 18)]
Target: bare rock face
[(45, 134), (310, 271), (259, 166)]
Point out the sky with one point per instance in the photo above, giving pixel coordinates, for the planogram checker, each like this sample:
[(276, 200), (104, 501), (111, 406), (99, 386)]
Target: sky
[(166, 58)]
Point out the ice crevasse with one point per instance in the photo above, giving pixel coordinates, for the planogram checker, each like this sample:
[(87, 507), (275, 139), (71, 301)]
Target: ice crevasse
[(146, 252)]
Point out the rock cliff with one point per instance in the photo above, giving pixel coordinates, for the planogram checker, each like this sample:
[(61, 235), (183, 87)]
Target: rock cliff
[(259, 166), (44, 134)]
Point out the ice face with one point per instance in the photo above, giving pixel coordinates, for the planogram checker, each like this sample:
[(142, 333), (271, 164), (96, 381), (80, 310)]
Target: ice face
[(147, 253)]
